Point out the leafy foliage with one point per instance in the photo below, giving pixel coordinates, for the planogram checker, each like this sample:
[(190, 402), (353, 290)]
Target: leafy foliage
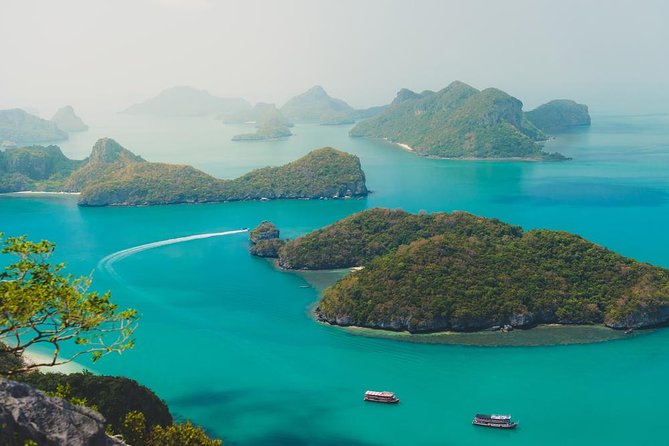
[(134, 432), (112, 396), (42, 306), (361, 237)]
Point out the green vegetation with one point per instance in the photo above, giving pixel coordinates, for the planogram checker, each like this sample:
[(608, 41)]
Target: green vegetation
[(113, 175), (322, 173), (34, 168), (107, 158), (21, 127), (44, 307), (112, 396), (67, 120), (136, 432), (434, 272), (559, 114), (264, 133), (152, 184), (268, 120), (315, 105), (187, 101), (458, 122), (325, 172), (264, 231)]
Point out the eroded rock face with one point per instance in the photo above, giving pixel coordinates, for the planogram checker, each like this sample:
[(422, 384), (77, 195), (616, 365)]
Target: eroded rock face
[(28, 414), (642, 318), (264, 231)]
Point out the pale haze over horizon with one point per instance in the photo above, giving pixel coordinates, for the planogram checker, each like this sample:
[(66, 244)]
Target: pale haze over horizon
[(102, 56)]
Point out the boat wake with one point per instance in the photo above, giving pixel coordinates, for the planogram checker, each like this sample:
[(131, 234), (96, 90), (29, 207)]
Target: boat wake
[(107, 263)]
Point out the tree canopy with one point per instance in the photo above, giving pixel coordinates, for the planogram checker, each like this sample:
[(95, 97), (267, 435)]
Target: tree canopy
[(41, 305)]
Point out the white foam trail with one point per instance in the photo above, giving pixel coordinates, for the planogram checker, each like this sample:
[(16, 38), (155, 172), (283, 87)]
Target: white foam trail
[(108, 262)]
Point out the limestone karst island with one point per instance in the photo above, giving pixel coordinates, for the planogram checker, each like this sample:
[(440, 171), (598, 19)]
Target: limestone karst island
[(318, 223)]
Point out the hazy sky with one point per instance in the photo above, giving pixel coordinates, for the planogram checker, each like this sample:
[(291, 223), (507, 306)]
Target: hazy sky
[(103, 55)]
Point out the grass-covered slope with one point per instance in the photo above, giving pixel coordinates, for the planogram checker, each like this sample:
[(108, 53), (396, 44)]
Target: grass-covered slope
[(460, 272), (458, 122), (20, 127)]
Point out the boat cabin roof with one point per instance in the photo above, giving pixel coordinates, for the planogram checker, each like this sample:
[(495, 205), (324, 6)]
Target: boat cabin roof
[(494, 417), (384, 394)]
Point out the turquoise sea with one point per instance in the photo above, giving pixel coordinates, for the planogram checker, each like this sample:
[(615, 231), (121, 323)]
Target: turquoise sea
[(228, 342)]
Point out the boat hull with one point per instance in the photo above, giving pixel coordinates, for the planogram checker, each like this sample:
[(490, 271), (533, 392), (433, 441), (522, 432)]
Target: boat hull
[(382, 400), (495, 425)]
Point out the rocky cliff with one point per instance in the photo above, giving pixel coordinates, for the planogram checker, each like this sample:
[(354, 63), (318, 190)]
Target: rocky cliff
[(27, 414)]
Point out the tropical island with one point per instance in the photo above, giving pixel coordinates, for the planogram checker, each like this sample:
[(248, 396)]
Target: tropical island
[(458, 272), (559, 115), (187, 101), (460, 122), (114, 176), (316, 106), (67, 120), (20, 127), (269, 122)]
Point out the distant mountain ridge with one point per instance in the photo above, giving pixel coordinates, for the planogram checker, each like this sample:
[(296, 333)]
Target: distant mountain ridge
[(187, 101)]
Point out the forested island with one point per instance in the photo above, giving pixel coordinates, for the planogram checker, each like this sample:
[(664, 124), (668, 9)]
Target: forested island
[(20, 127), (559, 115), (269, 122), (462, 122), (459, 272), (114, 176), (316, 106)]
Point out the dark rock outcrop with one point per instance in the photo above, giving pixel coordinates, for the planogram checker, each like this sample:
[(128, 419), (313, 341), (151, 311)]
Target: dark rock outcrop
[(264, 231), (113, 396), (267, 248), (265, 240), (28, 414)]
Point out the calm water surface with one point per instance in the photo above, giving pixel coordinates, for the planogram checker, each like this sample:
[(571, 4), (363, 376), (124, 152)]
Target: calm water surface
[(227, 341)]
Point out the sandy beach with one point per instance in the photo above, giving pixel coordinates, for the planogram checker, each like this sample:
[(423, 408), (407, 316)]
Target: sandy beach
[(32, 357)]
